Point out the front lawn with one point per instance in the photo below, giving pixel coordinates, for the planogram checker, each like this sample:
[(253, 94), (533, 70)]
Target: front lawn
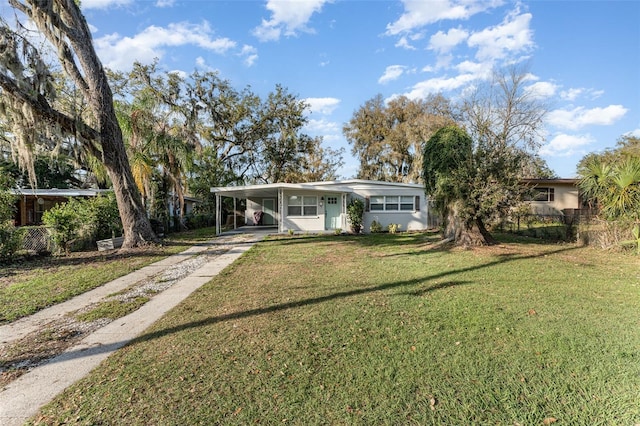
[(31, 284), (384, 329)]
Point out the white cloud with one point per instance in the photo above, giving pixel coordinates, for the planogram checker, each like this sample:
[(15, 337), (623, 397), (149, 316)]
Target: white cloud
[(635, 133), (165, 3), (403, 42), (574, 93), (571, 94), (104, 4), (579, 117), (322, 105), (419, 13), (179, 73), (480, 69), (393, 72), (119, 52), (322, 127), (439, 84), (250, 55), (202, 64), (564, 145), (541, 90), (512, 36), (445, 42), (288, 17)]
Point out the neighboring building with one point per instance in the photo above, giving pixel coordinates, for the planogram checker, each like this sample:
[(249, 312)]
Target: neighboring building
[(554, 196), (33, 203), (322, 206), (189, 205)]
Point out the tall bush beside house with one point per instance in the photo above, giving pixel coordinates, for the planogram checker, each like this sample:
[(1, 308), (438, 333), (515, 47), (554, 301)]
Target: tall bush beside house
[(355, 211), (65, 223), (10, 239), (103, 218), (80, 222)]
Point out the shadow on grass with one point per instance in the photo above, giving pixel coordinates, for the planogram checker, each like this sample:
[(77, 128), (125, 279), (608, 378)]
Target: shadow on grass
[(314, 301), (346, 294), (29, 263), (81, 258)]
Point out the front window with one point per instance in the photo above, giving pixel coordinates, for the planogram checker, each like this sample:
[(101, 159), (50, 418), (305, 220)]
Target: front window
[(541, 194), (376, 203), (406, 203), (302, 205), (391, 203)]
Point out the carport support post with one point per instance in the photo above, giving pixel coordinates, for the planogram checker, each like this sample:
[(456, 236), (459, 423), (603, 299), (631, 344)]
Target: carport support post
[(235, 225), (218, 215), (280, 210)]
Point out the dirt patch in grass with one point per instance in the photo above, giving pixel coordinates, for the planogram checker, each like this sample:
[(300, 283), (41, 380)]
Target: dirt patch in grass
[(36, 348), (19, 357), (25, 267)]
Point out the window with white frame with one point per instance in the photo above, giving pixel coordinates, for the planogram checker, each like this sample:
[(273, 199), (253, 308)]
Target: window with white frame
[(392, 203), (541, 194), (302, 205)]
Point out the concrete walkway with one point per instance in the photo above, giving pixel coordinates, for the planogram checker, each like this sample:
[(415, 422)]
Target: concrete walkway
[(22, 398)]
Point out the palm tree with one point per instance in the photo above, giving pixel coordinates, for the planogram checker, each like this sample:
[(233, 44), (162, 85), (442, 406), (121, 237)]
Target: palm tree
[(614, 187), (156, 153), (594, 178), (624, 200)]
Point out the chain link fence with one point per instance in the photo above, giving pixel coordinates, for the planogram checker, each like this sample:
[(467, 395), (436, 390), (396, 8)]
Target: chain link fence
[(37, 239)]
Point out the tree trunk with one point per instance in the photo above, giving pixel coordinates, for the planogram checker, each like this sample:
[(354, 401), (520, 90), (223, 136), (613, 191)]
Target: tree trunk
[(61, 22), (135, 223), (466, 234)]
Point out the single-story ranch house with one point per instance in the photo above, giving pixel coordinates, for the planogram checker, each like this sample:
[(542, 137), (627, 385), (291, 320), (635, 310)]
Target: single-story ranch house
[(32, 203), (322, 206)]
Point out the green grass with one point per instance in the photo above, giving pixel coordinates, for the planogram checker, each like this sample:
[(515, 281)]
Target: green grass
[(384, 329), (112, 309), (34, 284)]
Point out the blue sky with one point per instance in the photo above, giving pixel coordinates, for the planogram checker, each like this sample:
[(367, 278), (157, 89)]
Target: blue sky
[(583, 56)]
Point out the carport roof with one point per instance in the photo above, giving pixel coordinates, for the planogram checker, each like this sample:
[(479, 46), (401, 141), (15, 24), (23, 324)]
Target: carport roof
[(271, 189)]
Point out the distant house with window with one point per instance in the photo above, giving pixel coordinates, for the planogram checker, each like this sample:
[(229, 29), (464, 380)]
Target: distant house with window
[(32, 203), (554, 196), (322, 206)]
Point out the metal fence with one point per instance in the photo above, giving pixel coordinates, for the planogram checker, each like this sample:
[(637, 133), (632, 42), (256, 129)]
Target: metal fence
[(37, 239)]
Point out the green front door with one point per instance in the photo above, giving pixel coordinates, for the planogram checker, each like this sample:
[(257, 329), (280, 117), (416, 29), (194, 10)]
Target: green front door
[(332, 210)]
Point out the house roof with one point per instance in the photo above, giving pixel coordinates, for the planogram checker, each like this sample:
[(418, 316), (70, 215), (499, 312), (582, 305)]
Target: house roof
[(271, 189), (54, 192), (565, 181)]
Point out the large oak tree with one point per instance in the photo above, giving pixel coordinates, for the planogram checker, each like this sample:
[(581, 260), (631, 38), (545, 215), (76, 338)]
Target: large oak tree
[(30, 108), (387, 137), (474, 169)]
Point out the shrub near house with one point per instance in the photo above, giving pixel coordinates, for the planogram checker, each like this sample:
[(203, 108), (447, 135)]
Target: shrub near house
[(82, 221), (9, 237)]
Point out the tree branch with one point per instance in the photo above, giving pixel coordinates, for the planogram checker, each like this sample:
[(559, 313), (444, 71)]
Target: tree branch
[(43, 110)]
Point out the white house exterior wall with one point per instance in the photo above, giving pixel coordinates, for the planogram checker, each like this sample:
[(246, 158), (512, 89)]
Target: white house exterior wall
[(410, 220), (302, 223)]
